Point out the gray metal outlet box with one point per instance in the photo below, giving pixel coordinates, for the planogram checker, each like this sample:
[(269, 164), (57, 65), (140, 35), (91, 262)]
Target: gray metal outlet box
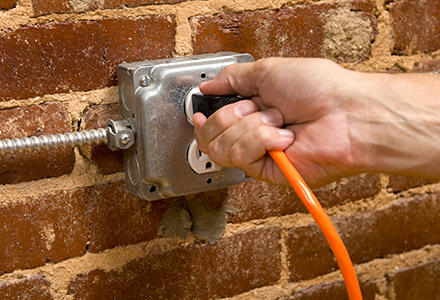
[(152, 95)]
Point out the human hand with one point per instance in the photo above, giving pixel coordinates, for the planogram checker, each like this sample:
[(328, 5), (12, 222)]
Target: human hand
[(298, 105)]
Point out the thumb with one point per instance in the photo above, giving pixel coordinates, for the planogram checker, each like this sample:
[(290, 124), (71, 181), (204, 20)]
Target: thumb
[(239, 78)]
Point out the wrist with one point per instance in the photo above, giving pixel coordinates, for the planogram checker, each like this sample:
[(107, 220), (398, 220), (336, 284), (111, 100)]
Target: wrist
[(395, 124)]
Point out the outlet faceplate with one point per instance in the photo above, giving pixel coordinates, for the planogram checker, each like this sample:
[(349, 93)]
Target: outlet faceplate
[(152, 96)]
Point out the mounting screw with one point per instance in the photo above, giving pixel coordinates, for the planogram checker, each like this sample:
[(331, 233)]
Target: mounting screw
[(124, 139), (145, 80)]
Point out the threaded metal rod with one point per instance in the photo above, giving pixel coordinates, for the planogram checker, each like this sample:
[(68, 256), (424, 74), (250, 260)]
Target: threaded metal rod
[(47, 142)]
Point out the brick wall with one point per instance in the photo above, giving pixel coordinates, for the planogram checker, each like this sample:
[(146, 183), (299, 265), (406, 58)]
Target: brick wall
[(70, 230)]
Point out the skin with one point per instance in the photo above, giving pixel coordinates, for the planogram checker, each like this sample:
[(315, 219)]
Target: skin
[(331, 122)]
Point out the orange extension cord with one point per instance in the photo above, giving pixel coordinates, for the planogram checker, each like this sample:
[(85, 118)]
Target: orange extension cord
[(323, 221)]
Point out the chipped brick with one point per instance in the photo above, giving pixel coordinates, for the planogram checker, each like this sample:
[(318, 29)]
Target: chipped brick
[(35, 287), (291, 31), (417, 282), (24, 121), (7, 4), (45, 7), (236, 264), (416, 26), (432, 65), (49, 228), (398, 183), (259, 200), (149, 37), (118, 218), (403, 226), (78, 56)]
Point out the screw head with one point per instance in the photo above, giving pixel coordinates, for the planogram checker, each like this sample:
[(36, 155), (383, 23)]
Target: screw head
[(124, 139), (145, 80)]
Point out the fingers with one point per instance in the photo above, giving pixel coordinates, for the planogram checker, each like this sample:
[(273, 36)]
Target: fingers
[(238, 135), (220, 121), (253, 146)]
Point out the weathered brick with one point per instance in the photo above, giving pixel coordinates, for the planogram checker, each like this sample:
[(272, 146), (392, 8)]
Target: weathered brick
[(119, 218), (133, 3), (290, 31), (106, 160), (403, 226), (432, 65), (74, 53), (24, 71), (45, 7), (398, 183), (236, 264), (78, 56), (35, 287), (417, 282), (259, 200), (332, 290), (49, 228), (7, 4), (416, 26), (24, 121), (148, 37)]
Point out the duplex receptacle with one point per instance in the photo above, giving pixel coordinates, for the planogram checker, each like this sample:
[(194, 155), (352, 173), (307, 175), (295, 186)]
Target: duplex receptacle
[(165, 160)]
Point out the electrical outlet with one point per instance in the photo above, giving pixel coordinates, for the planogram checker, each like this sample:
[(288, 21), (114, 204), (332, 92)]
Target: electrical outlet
[(165, 160), (200, 162)]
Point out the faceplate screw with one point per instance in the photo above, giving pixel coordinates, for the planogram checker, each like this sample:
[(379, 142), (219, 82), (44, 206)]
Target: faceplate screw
[(124, 139), (145, 80)]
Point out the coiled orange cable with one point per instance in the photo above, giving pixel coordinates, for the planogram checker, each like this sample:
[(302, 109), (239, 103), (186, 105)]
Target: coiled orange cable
[(323, 221)]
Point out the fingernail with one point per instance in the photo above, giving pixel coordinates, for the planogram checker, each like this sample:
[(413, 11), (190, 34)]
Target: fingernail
[(244, 108), (286, 133), (272, 117)]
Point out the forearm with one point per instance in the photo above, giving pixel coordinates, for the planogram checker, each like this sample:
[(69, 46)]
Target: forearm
[(397, 124)]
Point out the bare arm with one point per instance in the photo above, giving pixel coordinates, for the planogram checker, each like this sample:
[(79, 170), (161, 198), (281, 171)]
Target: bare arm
[(330, 121)]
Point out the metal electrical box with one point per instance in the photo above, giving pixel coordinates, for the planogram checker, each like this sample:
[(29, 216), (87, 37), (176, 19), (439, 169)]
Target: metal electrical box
[(152, 96)]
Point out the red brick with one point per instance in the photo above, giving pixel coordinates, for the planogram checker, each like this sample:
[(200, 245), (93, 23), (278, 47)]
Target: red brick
[(24, 71), (428, 66), (149, 37), (74, 52), (7, 4), (236, 264), (290, 31), (24, 121), (416, 26), (49, 228), (258, 200), (78, 56), (399, 183), (106, 160), (332, 290), (35, 287), (45, 7), (417, 282), (119, 218), (133, 3), (403, 226)]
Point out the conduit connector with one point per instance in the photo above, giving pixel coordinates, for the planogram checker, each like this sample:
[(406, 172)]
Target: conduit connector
[(120, 134), (116, 130)]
